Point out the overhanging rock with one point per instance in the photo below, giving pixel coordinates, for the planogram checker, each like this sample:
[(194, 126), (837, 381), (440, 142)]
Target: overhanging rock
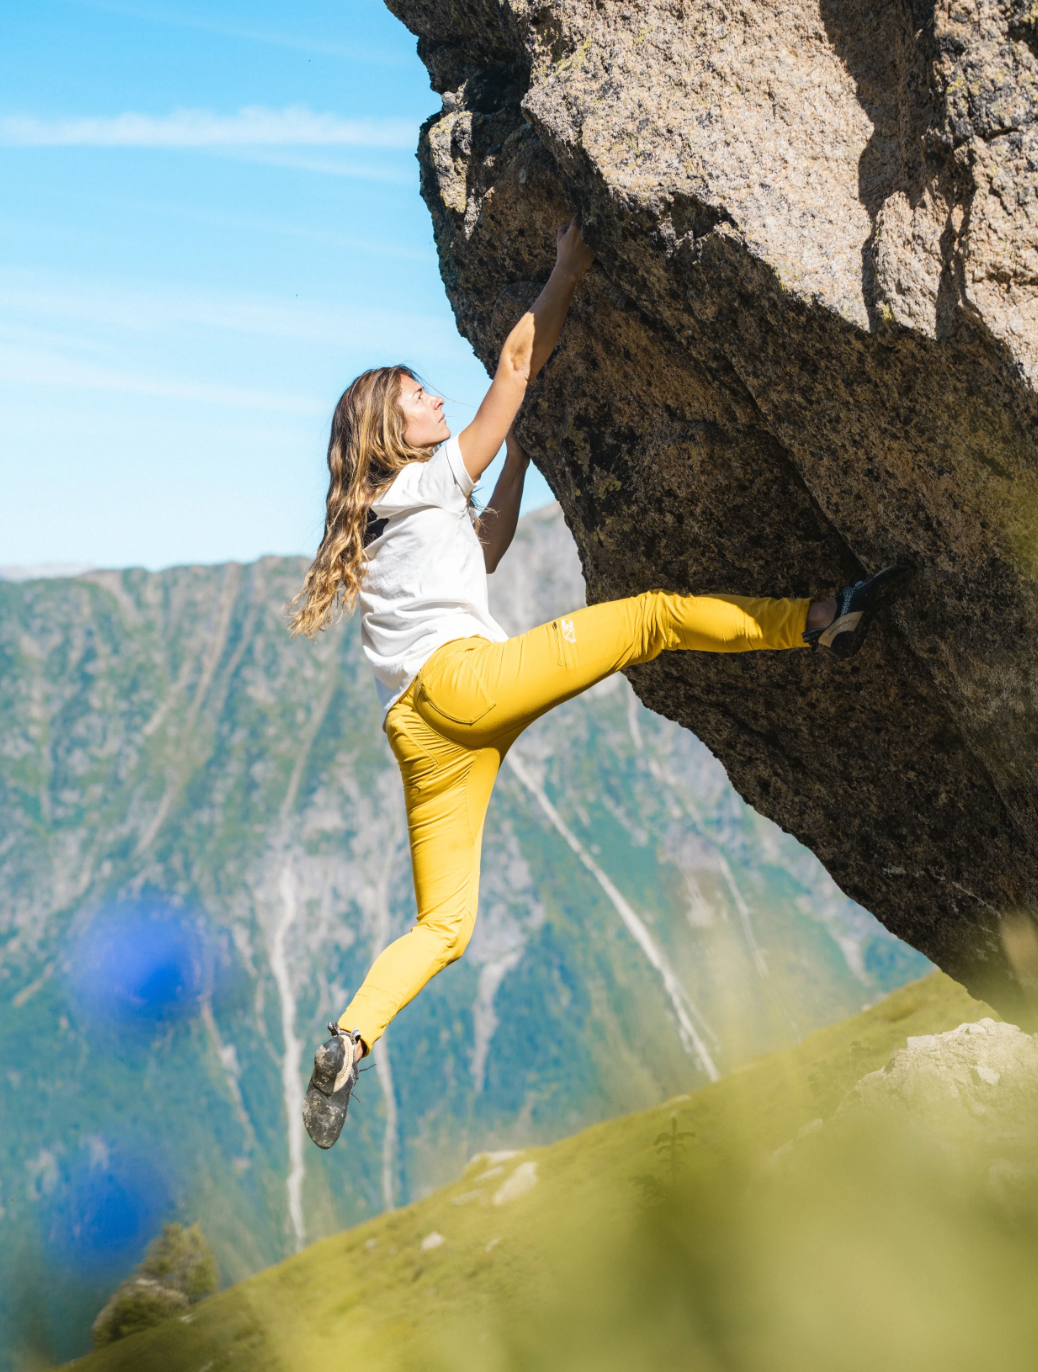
[(809, 348)]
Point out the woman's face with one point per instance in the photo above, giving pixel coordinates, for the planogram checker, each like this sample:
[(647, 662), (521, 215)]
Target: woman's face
[(424, 424)]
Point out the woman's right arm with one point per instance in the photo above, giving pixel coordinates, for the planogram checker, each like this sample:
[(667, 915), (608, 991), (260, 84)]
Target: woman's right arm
[(526, 350), (497, 523)]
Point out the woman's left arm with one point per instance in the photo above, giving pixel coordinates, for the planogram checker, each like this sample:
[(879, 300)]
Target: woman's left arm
[(527, 348), (498, 521)]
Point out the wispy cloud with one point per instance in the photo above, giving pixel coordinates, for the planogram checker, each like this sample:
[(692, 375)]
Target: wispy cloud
[(65, 305), (301, 43), (27, 368), (254, 127)]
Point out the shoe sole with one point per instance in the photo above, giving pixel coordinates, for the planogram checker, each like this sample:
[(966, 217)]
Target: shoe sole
[(323, 1118), (328, 1094)]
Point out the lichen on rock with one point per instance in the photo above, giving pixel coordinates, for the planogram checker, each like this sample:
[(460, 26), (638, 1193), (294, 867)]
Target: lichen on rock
[(808, 349)]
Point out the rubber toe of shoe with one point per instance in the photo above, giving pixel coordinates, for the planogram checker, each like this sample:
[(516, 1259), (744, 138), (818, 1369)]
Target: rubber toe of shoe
[(323, 1117), (866, 598), (329, 1061)]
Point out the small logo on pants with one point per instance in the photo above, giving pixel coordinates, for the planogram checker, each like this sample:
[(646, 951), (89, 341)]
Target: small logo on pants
[(568, 631)]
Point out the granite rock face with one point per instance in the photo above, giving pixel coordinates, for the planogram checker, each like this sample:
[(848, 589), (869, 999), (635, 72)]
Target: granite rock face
[(808, 348)]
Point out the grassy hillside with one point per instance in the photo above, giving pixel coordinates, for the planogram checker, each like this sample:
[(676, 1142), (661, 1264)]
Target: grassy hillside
[(537, 1280)]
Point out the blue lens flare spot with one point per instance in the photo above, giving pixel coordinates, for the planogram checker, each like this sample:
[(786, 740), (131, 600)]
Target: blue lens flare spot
[(141, 962), (101, 1217)]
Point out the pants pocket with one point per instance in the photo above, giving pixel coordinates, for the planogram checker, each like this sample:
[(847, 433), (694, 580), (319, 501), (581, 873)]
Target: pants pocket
[(417, 765), (456, 691)]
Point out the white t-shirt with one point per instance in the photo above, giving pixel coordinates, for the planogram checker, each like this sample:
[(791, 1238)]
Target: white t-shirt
[(425, 582)]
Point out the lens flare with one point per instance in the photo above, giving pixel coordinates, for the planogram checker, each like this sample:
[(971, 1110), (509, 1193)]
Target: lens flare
[(100, 1217), (144, 962)]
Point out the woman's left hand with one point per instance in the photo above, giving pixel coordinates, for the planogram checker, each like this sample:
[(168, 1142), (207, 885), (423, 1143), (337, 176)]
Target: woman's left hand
[(572, 254), (526, 350)]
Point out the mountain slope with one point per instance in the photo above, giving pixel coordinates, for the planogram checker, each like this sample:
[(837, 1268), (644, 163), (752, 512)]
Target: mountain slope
[(171, 760), (386, 1296)]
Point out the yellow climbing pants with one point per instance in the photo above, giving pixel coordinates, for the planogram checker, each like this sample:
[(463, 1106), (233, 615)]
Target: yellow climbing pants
[(451, 729)]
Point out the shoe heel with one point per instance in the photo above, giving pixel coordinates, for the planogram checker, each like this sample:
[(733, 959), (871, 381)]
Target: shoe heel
[(328, 1063)]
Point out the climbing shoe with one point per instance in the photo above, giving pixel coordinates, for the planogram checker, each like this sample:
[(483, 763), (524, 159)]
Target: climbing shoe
[(855, 607), (334, 1077)]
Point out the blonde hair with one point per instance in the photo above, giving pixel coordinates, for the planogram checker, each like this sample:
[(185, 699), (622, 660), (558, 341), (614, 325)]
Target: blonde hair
[(366, 450)]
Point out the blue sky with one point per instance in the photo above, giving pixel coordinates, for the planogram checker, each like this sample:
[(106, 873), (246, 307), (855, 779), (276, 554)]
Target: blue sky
[(210, 221)]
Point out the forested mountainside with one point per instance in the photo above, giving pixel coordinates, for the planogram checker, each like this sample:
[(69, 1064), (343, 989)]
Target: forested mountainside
[(171, 760)]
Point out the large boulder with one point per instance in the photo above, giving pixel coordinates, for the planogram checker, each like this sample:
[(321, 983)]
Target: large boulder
[(975, 1088), (808, 349), (962, 1106)]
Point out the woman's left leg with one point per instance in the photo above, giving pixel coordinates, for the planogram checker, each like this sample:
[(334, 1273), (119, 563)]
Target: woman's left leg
[(474, 692), (447, 790)]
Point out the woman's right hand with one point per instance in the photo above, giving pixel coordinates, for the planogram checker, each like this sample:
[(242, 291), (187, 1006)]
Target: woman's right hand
[(572, 254), (514, 450)]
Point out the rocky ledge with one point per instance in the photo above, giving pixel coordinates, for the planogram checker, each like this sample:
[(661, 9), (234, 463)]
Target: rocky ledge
[(808, 349)]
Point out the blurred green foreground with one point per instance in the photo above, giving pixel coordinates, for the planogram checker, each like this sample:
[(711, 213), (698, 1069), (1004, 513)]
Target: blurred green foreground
[(687, 1237)]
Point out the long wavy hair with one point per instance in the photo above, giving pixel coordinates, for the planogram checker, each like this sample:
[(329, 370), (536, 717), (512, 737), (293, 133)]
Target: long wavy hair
[(365, 451)]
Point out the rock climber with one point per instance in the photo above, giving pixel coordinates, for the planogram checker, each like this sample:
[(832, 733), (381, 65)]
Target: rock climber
[(400, 543)]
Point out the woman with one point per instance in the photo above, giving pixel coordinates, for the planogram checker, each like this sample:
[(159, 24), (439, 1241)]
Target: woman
[(456, 692)]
